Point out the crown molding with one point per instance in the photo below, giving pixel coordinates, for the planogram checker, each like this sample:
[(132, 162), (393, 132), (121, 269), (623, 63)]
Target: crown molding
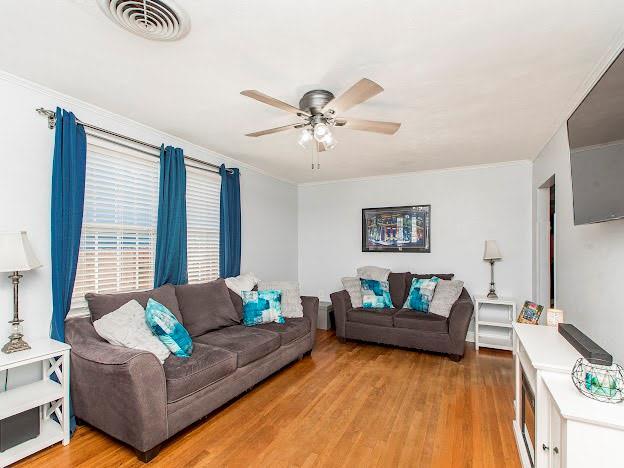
[(518, 162), (583, 90), (73, 103)]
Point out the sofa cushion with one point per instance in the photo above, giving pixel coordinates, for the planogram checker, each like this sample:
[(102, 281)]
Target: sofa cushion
[(262, 307), (206, 306), (411, 276), (206, 365), (168, 330), (127, 327), (240, 283), (293, 329), (407, 318), (353, 286), (102, 304), (398, 288), (382, 317), (375, 294), (421, 293), (446, 293), (249, 343), (291, 296)]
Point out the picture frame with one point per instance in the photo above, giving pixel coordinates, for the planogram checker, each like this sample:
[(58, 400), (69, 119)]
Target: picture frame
[(397, 229), (530, 313)]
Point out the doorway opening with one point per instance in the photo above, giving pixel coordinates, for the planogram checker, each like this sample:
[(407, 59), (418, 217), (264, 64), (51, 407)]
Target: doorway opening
[(546, 248), (551, 269)]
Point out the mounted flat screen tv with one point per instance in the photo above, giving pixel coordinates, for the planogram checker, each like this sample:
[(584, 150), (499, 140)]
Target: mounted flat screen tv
[(596, 134)]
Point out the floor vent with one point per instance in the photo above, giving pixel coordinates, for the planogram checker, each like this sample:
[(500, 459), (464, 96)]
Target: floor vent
[(158, 20)]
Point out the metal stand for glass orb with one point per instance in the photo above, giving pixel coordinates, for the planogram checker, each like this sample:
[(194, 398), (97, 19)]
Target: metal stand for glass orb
[(16, 342), (602, 383)]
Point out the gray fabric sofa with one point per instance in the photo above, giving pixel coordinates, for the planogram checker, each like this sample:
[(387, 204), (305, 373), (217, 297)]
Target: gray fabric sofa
[(131, 396), (404, 327)]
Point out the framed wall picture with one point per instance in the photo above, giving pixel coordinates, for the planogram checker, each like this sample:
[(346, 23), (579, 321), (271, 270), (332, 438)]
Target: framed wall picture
[(530, 313), (397, 229)]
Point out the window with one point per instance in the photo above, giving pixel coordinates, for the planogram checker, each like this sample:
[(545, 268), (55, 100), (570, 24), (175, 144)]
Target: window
[(203, 190), (118, 238), (118, 241)]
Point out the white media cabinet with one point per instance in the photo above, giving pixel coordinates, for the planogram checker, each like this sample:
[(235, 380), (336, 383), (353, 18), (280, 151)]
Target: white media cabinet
[(566, 429)]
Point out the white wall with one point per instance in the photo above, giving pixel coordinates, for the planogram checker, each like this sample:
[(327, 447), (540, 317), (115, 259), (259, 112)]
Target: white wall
[(468, 205), (269, 206), (589, 274)]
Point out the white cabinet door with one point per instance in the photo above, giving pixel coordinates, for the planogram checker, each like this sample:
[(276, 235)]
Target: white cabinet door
[(556, 437)]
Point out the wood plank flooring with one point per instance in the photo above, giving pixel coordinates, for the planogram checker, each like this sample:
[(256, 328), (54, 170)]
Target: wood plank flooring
[(353, 404)]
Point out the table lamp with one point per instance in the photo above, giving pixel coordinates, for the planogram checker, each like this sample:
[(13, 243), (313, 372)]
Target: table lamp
[(16, 255), (492, 254)]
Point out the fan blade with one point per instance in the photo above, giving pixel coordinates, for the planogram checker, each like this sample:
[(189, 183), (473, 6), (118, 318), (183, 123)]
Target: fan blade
[(258, 96), (356, 94), (377, 126), (274, 130)]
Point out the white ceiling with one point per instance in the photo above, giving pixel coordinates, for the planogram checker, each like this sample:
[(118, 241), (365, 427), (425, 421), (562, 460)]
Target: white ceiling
[(472, 81)]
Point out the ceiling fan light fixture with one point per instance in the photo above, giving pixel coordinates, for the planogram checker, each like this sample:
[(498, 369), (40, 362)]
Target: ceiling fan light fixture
[(305, 138), (329, 141), (321, 130)]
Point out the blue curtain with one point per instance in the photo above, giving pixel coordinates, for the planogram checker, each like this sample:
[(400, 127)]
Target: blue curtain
[(68, 186), (171, 261), (230, 223)]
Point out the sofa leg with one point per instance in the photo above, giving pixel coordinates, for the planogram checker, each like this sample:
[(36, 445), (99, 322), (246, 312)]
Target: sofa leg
[(307, 353), (455, 357), (79, 422), (342, 339), (148, 455)]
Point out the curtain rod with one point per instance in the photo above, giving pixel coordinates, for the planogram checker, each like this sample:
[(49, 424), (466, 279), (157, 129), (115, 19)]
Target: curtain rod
[(51, 116)]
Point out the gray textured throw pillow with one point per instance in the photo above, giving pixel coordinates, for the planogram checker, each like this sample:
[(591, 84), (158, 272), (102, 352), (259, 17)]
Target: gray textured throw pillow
[(373, 273), (445, 295), (291, 297), (206, 307), (354, 288)]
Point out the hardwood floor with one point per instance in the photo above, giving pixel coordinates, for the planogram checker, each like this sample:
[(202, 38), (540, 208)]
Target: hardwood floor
[(352, 404)]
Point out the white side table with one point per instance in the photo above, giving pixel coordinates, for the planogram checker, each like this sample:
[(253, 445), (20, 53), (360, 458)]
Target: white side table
[(493, 322), (49, 396), (324, 319)]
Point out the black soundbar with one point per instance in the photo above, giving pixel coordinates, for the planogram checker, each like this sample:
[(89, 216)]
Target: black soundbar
[(585, 345)]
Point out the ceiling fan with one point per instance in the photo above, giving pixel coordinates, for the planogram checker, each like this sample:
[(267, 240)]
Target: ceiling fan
[(319, 110)]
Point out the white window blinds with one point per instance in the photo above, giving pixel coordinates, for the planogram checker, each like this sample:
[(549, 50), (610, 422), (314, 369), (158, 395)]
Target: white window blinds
[(202, 218), (118, 241), (118, 238)]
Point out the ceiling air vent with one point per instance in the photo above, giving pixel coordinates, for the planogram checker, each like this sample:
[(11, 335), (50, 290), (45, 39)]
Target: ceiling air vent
[(159, 20)]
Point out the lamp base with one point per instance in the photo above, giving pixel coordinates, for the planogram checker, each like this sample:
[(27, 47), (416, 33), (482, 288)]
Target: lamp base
[(492, 294), (15, 344)]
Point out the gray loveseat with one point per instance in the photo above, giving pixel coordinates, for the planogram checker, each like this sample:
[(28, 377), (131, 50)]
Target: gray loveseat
[(131, 396), (404, 327)]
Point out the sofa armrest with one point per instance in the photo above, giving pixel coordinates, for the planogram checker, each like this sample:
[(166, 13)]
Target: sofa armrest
[(119, 390), (459, 321), (342, 303), (310, 310)]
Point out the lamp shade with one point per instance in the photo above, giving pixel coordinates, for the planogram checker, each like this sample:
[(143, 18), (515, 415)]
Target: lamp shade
[(491, 251), (16, 253)]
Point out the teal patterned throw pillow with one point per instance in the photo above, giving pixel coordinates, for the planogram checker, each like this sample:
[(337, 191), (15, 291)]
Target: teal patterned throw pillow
[(262, 307), (420, 294), (375, 294), (167, 328)]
